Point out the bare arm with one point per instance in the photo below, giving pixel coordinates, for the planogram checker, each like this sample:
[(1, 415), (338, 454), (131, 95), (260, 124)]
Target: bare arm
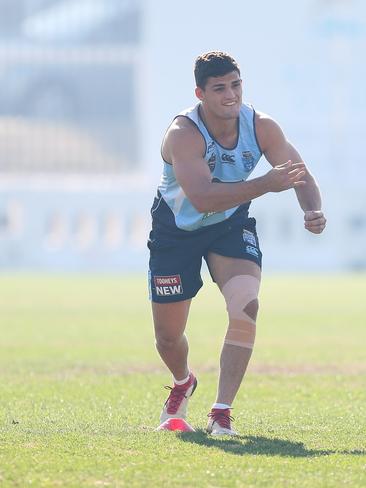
[(184, 148), (277, 149)]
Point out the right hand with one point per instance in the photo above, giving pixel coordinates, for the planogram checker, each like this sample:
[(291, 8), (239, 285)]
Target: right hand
[(285, 176)]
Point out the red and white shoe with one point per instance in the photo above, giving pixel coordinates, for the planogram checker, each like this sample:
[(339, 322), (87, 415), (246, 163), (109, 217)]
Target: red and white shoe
[(219, 422), (177, 401)]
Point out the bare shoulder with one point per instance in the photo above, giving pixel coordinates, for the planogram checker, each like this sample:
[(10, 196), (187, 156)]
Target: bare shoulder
[(264, 120), (273, 142), (182, 136), (268, 131)]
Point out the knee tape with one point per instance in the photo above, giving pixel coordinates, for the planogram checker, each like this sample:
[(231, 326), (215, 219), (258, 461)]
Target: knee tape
[(238, 292)]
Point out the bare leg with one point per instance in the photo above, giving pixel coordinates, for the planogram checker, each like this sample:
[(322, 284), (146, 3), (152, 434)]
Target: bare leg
[(233, 364), (234, 359), (169, 322)]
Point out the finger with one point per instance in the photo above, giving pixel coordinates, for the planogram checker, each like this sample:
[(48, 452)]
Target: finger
[(314, 223), (311, 227), (315, 219), (298, 166), (284, 165), (318, 220), (297, 177), (296, 172), (318, 228)]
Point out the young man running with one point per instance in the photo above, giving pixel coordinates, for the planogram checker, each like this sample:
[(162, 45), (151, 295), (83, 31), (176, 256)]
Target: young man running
[(201, 211)]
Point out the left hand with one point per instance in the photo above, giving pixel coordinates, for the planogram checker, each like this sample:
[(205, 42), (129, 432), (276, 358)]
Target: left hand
[(315, 221)]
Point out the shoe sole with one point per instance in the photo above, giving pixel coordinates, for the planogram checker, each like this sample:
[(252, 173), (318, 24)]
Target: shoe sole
[(210, 430), (218, 434)]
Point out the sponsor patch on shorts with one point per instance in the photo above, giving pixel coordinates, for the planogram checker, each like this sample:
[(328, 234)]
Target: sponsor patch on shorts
[(249, 238), (252, 250), (168, 285)]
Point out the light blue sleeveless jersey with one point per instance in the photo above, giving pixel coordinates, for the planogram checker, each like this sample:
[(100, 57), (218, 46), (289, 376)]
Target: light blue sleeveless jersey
[(226, 165)]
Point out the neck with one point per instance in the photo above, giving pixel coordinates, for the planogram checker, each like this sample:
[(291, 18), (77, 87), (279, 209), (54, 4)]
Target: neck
[(219, 128)]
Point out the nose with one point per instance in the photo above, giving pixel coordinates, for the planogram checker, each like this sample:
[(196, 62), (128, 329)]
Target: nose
[(230, 94)]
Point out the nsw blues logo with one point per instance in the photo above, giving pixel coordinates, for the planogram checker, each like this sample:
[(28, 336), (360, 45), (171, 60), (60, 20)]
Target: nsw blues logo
[(248, 160), (250, 243), (211, 161), (211, 155)]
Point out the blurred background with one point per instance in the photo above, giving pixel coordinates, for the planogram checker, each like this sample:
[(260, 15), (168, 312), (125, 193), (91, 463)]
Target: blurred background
[(88, 87)]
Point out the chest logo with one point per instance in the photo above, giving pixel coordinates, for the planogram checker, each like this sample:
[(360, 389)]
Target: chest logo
[(248, 160), (211, 161), (210, 146), (228, 158)]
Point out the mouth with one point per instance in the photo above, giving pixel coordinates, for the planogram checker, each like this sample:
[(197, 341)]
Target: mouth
[(229, 104)]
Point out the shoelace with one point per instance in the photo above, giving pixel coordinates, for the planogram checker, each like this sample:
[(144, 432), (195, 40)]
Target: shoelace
[(175, 398), (222, 418)]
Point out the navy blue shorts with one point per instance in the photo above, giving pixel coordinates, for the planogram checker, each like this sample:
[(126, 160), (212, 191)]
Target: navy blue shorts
[(176, 255)]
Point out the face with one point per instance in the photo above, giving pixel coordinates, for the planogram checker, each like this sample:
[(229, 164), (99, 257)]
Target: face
[(222, 96)]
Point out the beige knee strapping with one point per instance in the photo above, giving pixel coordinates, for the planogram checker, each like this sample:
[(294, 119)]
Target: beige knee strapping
[(239, 291)]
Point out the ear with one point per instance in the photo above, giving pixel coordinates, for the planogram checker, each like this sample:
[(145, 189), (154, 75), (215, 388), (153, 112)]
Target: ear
[(199, 93)]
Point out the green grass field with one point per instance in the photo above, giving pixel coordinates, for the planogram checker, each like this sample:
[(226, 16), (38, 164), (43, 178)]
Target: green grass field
[(82, 387)]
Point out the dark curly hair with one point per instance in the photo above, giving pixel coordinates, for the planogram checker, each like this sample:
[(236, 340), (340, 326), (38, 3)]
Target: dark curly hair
[(213, 63)]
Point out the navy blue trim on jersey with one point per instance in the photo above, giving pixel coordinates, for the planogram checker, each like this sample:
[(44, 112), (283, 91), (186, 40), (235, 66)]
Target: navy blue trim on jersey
[(213, 138), (255, 132)]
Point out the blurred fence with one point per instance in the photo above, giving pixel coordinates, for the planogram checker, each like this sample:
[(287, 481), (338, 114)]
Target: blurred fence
[(99, 225), (102, 225)]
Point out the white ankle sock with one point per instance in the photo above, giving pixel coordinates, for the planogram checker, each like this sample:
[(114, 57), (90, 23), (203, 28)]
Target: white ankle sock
[(221, 405), (181, 382)]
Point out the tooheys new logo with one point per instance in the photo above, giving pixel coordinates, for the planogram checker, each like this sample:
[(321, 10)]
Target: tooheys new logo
[(168, 285)]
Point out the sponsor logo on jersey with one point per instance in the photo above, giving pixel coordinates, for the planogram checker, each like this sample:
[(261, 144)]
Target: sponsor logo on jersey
[(210, 146), (212, 162), (252, 250), (249, 237), (168, 285), (228, 158), (248, 160)]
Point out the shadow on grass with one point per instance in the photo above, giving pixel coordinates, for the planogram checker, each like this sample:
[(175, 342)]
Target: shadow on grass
[(258, 445)]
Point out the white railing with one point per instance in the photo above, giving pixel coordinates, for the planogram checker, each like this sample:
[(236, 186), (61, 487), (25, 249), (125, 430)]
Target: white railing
[(79, 224), (74, 226)]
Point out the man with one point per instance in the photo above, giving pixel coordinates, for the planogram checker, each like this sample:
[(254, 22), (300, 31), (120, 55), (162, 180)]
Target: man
[(201, 210)]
